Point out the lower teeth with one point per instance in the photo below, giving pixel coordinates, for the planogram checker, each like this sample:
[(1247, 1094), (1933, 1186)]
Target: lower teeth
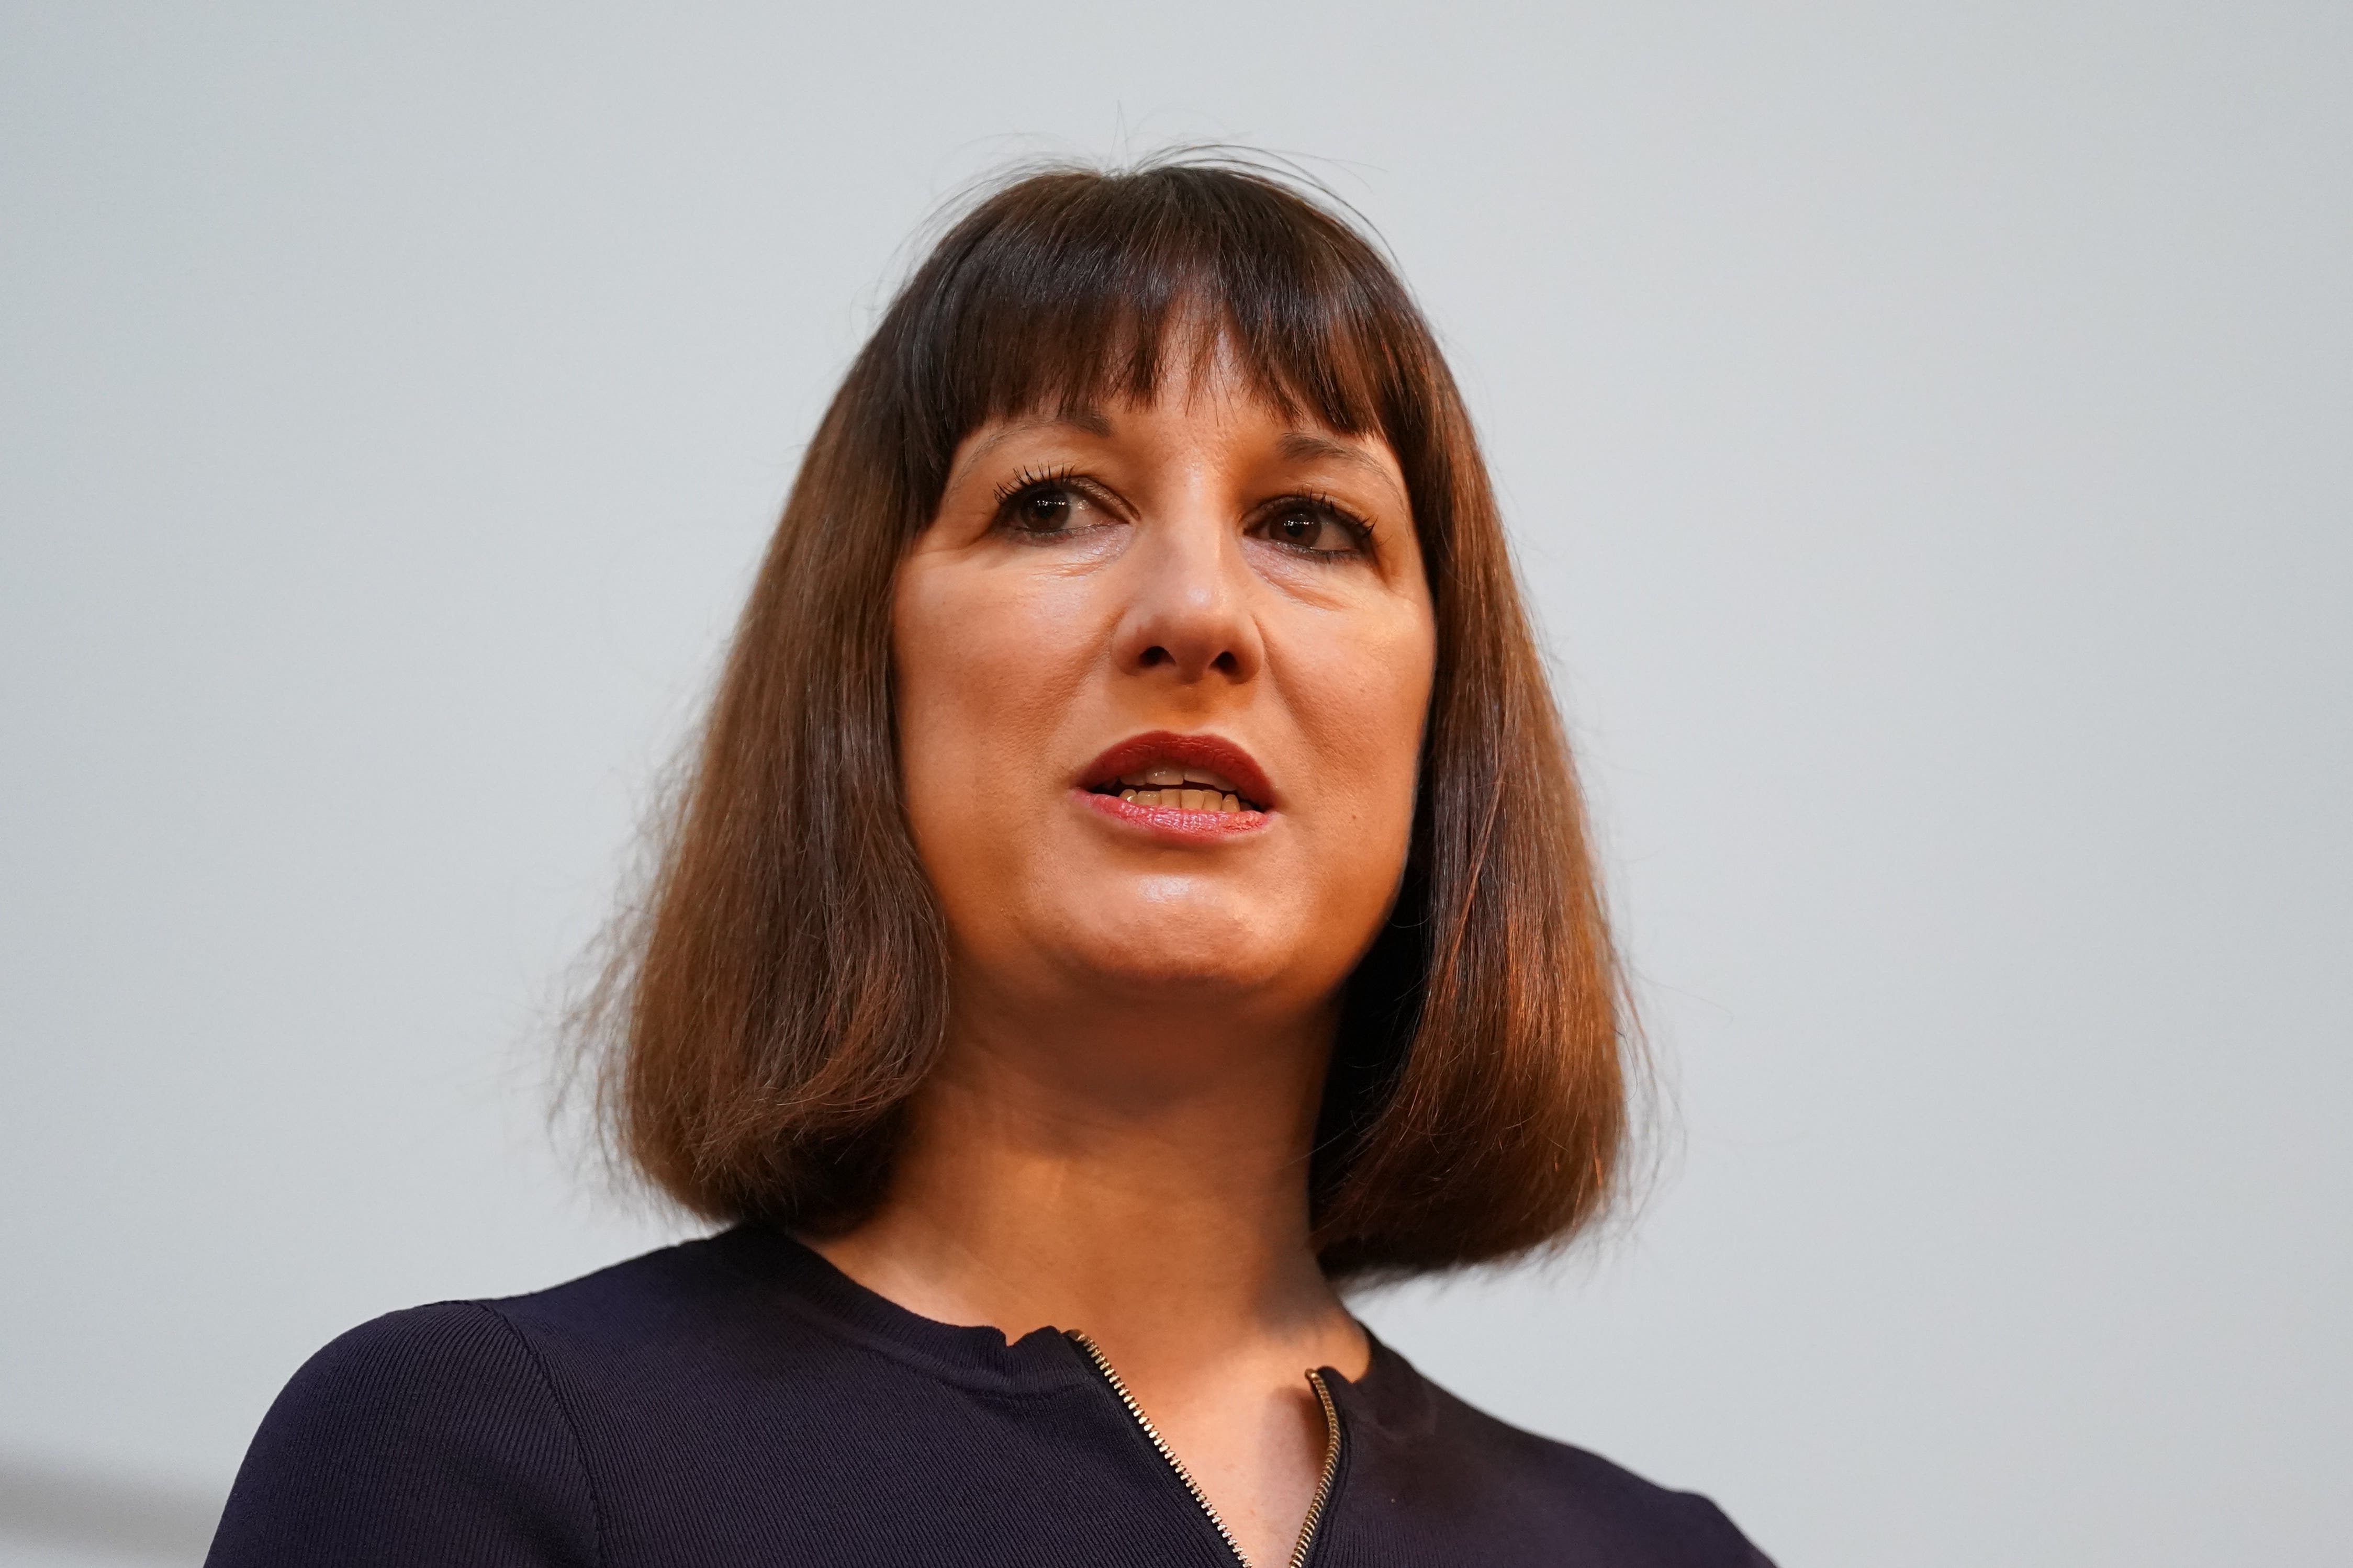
[(1183, 799)]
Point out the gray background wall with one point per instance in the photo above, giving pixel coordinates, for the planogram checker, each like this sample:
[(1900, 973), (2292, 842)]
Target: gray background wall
[(1926, 430)]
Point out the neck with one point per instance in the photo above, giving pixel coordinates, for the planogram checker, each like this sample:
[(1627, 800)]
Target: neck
[(1144, 1182)]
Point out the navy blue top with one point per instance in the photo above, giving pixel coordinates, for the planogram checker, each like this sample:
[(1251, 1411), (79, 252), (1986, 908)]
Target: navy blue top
[(738, 1401)]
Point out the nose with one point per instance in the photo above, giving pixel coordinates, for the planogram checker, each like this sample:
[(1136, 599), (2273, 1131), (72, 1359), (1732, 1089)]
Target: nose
[(1187, 614)]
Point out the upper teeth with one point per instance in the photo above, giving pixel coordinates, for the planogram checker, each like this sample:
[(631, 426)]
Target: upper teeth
[(1184, 789), (1178, 778)]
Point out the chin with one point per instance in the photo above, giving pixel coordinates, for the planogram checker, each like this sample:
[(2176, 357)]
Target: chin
[(1193, 957), (1200, 978)]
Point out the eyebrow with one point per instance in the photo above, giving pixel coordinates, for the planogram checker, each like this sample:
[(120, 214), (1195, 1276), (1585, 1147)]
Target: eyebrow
[(1091, 421), (1298, 445), (1304, 446)]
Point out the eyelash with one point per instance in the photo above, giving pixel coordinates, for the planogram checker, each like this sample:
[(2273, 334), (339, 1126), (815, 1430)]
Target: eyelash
[(1360, 527), (1030, 479)]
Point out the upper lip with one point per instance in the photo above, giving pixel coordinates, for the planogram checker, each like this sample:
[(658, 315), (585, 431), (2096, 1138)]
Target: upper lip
[(1214, 753)]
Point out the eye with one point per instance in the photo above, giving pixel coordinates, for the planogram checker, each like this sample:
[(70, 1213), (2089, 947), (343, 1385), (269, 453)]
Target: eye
[(1041, 508), (1042, 505), (1314, 526)]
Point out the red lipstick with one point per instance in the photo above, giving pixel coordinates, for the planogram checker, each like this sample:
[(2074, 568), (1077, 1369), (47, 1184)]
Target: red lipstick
[(1214, 753), (1098, 787)]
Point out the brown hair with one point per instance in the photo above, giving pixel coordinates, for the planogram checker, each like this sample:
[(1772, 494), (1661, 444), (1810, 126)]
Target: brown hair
[(783, 987)]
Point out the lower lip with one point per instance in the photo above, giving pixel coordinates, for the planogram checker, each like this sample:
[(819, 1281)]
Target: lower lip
[(1170, 822)]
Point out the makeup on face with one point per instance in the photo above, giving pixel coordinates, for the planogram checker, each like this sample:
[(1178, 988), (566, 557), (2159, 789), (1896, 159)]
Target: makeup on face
[(1251, 702), (1162, 773)]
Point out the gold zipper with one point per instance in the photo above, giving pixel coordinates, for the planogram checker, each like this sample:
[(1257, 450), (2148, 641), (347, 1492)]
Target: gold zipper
[(1315, 1505)]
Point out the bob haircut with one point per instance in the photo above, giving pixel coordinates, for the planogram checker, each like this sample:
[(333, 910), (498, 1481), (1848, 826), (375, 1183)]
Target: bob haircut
[(768, 1006)]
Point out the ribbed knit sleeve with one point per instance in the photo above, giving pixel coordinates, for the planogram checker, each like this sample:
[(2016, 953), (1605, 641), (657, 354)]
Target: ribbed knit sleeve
[(431, 1435)]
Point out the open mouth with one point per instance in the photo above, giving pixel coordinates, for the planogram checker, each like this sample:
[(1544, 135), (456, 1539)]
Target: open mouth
[(1180, 789), (1167, 772)]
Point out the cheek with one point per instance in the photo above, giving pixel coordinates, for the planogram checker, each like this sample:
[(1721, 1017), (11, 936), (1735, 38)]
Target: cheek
[(1369, 705), (1361, 704), (979, 674)]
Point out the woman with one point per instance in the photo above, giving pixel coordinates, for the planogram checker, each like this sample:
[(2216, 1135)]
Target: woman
[(1133, 886)]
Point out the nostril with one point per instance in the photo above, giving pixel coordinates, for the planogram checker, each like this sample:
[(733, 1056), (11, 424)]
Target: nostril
[(1226, 664), (1156, 655)]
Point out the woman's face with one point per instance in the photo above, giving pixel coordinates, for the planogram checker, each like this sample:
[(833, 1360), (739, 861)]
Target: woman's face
[(1162, 671)]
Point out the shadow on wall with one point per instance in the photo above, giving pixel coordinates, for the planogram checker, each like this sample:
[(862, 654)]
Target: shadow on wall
[(102, 1514)]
